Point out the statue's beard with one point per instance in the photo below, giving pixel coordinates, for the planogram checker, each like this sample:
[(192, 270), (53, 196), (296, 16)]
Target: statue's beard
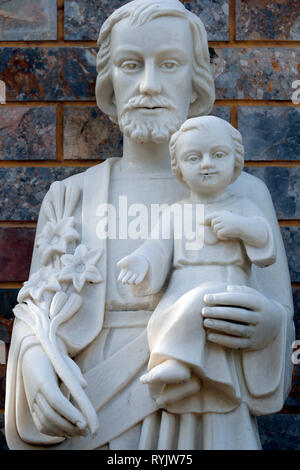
[(156, 128)]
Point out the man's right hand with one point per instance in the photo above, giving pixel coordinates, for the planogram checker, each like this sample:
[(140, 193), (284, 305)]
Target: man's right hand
[(52, 412)]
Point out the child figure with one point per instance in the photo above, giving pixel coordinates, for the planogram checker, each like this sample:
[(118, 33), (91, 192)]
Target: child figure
[(207, 156)]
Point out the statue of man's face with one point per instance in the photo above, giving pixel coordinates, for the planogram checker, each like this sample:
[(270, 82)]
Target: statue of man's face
[(151, 70)]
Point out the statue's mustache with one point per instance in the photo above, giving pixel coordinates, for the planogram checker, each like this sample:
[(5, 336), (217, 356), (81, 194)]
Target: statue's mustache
[(147, 102)]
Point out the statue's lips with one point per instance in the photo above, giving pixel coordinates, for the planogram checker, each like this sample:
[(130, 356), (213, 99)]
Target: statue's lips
[(207, 173), (149, 109)]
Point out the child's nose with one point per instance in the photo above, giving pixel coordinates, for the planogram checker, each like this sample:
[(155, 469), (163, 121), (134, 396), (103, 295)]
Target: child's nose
[(206, 160)]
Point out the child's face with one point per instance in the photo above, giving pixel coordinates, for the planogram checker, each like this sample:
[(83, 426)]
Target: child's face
[(206, 159)]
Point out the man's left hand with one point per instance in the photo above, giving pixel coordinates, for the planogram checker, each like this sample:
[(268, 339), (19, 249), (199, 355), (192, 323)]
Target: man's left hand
[(241, 318)]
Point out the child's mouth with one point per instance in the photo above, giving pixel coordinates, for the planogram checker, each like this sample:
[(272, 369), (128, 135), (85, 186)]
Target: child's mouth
[(207, 173)]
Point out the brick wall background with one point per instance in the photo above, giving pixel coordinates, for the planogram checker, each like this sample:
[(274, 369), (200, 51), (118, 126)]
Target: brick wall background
[(51, 128)]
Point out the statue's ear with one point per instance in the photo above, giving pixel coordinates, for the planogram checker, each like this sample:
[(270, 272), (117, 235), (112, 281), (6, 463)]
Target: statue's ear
[(113, 115), (106, 99)]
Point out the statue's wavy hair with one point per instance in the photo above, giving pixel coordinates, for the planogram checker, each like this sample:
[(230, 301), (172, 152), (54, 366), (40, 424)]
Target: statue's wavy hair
[(208, 123), (140, 12)]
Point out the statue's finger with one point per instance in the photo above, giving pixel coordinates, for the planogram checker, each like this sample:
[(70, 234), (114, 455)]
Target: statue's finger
[(210, 217), (127, 276), (236, 299), (122, 274), (240, 315), (217, 226), (54, 420), (41, 424), (226, 327), (65, 408), (132, 278), (229, 341), (222, 234), (215, 221)]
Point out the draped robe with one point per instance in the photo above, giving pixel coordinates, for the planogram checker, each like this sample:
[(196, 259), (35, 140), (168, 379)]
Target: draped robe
[(109, 341)]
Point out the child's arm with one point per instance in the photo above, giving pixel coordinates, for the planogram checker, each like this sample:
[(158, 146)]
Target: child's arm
[(147, 268), (251, 230)]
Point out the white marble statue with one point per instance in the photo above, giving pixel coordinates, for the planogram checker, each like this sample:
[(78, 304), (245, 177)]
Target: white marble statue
[(207, 156), (79, 344)]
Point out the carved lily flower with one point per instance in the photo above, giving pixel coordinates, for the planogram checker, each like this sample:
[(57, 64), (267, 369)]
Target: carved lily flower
[(55, 238), (43, 280), (81, 267)]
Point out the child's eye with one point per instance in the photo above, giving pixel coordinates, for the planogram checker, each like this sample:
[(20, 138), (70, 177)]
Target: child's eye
[(219, 154), (192, 158), (169, 65)]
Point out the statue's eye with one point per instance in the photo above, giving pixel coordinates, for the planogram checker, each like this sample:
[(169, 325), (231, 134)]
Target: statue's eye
[(169, 65), (192, 158), (130, 65), (219, 154)]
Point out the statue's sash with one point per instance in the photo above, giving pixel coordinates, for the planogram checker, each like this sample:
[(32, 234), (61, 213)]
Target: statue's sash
[(120, 399)]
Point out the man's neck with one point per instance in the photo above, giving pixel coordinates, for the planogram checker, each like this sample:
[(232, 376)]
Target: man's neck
[(145, 158)]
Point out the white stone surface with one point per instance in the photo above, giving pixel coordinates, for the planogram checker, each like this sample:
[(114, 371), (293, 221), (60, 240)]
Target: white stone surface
[(75, 321)]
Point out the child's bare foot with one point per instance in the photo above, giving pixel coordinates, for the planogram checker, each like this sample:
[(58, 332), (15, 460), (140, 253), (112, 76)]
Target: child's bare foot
[(168, 372)]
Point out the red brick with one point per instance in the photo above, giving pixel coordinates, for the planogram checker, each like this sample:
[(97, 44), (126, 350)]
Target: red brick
[(16, 245)]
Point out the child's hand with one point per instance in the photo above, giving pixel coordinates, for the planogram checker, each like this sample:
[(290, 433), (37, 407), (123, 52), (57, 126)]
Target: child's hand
[(225, 224), (133, 269)]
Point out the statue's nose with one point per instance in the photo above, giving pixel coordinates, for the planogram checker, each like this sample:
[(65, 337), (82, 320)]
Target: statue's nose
[(206, 161), (150, 84)]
